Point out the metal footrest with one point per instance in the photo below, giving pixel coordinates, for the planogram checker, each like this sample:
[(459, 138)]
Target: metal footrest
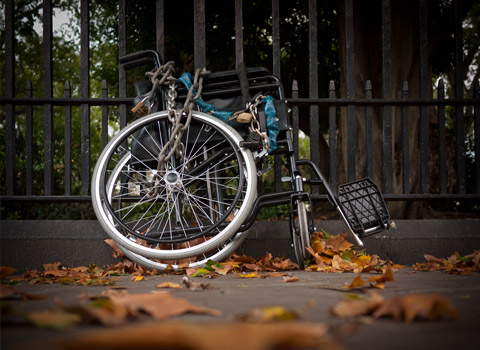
[(363, 206)]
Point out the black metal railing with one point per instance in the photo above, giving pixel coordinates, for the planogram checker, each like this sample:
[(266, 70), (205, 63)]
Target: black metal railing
[(348, 104)]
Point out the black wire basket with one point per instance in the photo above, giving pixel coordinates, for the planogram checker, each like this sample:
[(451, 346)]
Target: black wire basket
[(363, 207)]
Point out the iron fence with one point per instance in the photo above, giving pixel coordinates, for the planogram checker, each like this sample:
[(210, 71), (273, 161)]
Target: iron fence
[(349, 103)]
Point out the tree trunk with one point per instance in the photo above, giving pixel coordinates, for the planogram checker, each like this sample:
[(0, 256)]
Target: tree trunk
[(368, 66)]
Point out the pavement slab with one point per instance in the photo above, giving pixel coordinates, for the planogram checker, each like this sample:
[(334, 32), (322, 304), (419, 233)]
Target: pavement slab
[(311, 297)]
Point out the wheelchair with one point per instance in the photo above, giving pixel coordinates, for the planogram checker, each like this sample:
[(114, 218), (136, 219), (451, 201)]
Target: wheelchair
[(177, 188)]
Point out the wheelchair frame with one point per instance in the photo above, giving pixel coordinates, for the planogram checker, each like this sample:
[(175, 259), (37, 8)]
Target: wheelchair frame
[(359, 203)]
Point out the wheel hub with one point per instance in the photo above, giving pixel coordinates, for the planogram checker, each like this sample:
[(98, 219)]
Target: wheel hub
[(173, 181)]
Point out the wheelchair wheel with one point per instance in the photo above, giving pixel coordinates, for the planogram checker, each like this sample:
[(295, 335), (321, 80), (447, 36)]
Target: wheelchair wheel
[(189, 207), (300, 233)]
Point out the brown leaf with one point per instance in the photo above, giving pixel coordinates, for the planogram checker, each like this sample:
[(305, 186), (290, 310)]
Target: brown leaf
[(57, 320), (231, 336), (6, 271), (169, 285), (423, 306), (117, 253), (338, 243), (101, 310), (160, 306), (386, 277), (193, 285), (290, 279), (357, 307), (268, 314), (357, 282)]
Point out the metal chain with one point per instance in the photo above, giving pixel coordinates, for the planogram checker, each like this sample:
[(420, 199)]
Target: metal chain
[(175, 117), (174, 145), (255, 124)]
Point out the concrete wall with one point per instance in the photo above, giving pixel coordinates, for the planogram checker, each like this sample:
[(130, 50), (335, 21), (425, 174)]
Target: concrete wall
[(29, 244)]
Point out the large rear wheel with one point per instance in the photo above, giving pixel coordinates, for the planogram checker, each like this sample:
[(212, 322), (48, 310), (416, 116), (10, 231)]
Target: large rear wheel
[(191, 206)]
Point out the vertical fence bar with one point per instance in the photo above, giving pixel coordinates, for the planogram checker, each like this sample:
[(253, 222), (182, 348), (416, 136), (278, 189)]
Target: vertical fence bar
[(350, 82), (160, 27), (29, 141), (68, 140), (405, 143), (332, 135), (122, 50), (424, 82), (48, 150), (476, 115), (199, 39), (10, 151), (459, 115), (442, 169), (295, 120), (104, 115), (369, 129), (277, 72), (238, 32), (85, 93), (387, 93), (313, 80), (276, 37)]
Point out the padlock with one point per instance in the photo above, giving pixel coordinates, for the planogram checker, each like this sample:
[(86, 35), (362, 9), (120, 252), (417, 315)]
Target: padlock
[(244, 117), (141, 108)]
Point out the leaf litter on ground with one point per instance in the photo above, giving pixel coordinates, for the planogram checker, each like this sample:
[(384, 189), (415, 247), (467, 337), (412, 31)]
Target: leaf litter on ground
[(403, 308), (454, 264)]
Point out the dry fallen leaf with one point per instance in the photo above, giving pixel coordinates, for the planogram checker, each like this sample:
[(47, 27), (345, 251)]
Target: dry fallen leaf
[(117, 253), (137, 278), (193, 285), (160, 306), (423, 306), (380, 281), (6, 271), (169, 285), (455, 264), (408, 307), (357, 282), (288, 279), (57, 320), (268, 314), (357, 307), (231, 336)]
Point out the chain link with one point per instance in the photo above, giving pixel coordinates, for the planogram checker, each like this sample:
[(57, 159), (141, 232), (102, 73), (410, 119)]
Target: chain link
[(255, 124), (174, 145)]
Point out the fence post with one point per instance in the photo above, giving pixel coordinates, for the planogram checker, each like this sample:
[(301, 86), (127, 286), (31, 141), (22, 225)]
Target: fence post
[(10, 151), (441, 139), (405, 142), (369, 129), (68, 141), (387, 93), (332, 134), (85, 92), (424, 139), (48, 145), (476, 114), (199, 54), (29, 141)]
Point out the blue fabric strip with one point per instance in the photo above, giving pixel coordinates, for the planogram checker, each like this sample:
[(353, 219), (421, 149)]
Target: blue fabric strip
[(270, 112)]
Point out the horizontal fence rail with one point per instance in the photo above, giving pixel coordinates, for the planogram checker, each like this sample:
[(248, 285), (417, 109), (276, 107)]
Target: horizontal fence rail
[(313, 108)]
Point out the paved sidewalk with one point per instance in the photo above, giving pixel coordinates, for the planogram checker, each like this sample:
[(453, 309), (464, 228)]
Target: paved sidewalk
[(312, 296)]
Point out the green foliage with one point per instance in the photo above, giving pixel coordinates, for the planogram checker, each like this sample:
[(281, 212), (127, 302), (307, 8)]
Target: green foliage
[(179, 40)]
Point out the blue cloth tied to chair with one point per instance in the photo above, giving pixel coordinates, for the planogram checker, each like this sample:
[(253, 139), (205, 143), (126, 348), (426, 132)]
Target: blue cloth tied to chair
[(270, 112)]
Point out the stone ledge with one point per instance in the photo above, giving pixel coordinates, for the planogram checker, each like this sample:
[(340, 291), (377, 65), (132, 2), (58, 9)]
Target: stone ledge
[(29, 244)]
